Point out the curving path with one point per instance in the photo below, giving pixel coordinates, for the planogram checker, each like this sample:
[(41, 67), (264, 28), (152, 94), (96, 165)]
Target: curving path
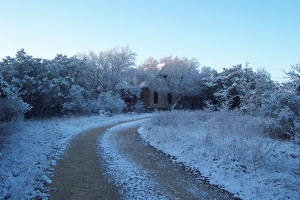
[(128, 169), (79, 173)]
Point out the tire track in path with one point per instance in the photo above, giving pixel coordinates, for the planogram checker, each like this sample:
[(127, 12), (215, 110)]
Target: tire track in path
[(78, 175)]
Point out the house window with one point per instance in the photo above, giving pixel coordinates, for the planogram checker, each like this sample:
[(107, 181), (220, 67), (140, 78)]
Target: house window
[(170, 98), (155, 101)]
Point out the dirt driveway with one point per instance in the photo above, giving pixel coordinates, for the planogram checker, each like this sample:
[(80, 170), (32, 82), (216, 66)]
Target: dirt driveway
[(79, 173)]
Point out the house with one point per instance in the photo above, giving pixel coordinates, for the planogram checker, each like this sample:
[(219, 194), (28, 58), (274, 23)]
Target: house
[(155, 100)]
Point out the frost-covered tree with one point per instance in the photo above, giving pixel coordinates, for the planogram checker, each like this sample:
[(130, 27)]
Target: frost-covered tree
[(63, 75), (108, 102), (255, 90), (112, 71), (281, 103), (24, 74), (131, 91), (21, 65), (44, 84), (12, 107), (148, 70), (282, 106), (294, 75), (255, 93), (224, 87), (207, 87), (237, 88), (107, 68), (76, 101)]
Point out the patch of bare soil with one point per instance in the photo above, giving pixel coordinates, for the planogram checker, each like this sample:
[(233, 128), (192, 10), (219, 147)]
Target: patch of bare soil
[(79, 173)]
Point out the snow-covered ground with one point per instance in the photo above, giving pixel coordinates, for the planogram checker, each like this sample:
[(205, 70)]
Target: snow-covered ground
[(33, 147), (231, 150)]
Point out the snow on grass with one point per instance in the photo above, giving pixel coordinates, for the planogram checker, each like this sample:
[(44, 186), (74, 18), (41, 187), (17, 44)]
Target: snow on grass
[(133, 181), (33, 147), (231, 150)]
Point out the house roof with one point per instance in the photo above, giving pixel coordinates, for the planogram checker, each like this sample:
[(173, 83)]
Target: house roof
[(160, 65)]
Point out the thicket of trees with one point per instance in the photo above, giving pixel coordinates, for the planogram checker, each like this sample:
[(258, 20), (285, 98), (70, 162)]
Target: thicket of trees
[(66, 85), (110, 81)]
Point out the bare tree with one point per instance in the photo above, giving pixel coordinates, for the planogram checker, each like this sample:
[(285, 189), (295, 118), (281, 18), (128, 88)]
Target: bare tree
[(107, 67)]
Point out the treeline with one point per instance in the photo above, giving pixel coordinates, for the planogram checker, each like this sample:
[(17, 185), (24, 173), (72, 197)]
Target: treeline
[(109, 81), (240, 88), (66, 85)]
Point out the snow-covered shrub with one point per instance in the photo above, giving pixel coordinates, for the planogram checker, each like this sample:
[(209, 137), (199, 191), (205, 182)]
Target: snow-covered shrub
[(75, 101), (225, 98), (139, 107), (283, 106), (109, 102), (105, 113), (12, 107)]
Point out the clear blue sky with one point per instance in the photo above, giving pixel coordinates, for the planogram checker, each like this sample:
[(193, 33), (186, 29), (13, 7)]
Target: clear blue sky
[(218, 33)]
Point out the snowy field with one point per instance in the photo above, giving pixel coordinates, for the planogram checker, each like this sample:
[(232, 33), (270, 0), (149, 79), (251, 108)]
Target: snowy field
[(33, 148), (230, 150)]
